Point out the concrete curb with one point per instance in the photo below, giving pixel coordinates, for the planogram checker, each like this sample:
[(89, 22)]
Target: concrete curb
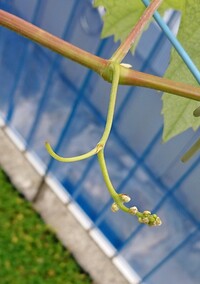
[(56, 209)]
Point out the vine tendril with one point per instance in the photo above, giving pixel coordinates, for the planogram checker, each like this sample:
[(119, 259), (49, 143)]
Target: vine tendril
[(69, 159), (116, 73), (119, 199)]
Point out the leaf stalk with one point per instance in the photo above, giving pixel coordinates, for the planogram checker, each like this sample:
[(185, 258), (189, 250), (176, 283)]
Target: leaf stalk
[(126, 45)]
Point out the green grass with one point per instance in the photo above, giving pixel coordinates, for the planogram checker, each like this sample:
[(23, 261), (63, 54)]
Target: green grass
[(30, 253)]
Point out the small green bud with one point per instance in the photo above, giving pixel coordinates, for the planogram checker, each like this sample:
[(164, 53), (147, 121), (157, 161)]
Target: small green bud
[(155, 222), (114, 207), (158, 221), (133, 210), (151, 219), (125, 198), (152, 224), (146, 212), (145, 220), (140, 220)]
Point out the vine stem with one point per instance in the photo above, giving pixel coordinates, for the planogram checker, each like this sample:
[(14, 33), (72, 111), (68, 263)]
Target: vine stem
[(108, 182), (97, 64), (125, 46), (136, 78), (111, 108), (52, 42)]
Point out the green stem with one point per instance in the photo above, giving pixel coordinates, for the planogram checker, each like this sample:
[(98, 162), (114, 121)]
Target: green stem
[(97, 64), (108, 182), (125, 46), (136, 78), (111, 108), (70, 159)]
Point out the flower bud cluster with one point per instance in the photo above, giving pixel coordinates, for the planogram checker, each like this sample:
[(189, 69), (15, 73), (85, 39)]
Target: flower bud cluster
[(150, 219), (144, 217)]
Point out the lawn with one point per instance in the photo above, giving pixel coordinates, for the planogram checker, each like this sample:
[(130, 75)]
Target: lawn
[(29, 250)]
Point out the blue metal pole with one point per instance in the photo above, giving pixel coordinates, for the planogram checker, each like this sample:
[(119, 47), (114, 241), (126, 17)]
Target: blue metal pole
[(153, 52), (179, 48)]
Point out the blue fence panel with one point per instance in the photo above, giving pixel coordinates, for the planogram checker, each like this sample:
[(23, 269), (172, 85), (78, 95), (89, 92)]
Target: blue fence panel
[(44, 96), (175, 265)]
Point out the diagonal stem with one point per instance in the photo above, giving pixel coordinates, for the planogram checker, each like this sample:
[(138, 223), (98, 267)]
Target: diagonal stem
[(52, 42), (108, 182), (111, 108), (125, 46), (136, 78)]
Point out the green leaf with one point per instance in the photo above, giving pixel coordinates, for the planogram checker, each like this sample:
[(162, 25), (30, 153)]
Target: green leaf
[(178, 112), (121, 16), (173, 4)]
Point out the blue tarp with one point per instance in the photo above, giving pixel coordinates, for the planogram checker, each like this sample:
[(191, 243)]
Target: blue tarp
[(44, 96)]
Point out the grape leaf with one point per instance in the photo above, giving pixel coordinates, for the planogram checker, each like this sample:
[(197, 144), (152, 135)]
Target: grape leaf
[(121, 16), (173, 4), (177, 111)]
